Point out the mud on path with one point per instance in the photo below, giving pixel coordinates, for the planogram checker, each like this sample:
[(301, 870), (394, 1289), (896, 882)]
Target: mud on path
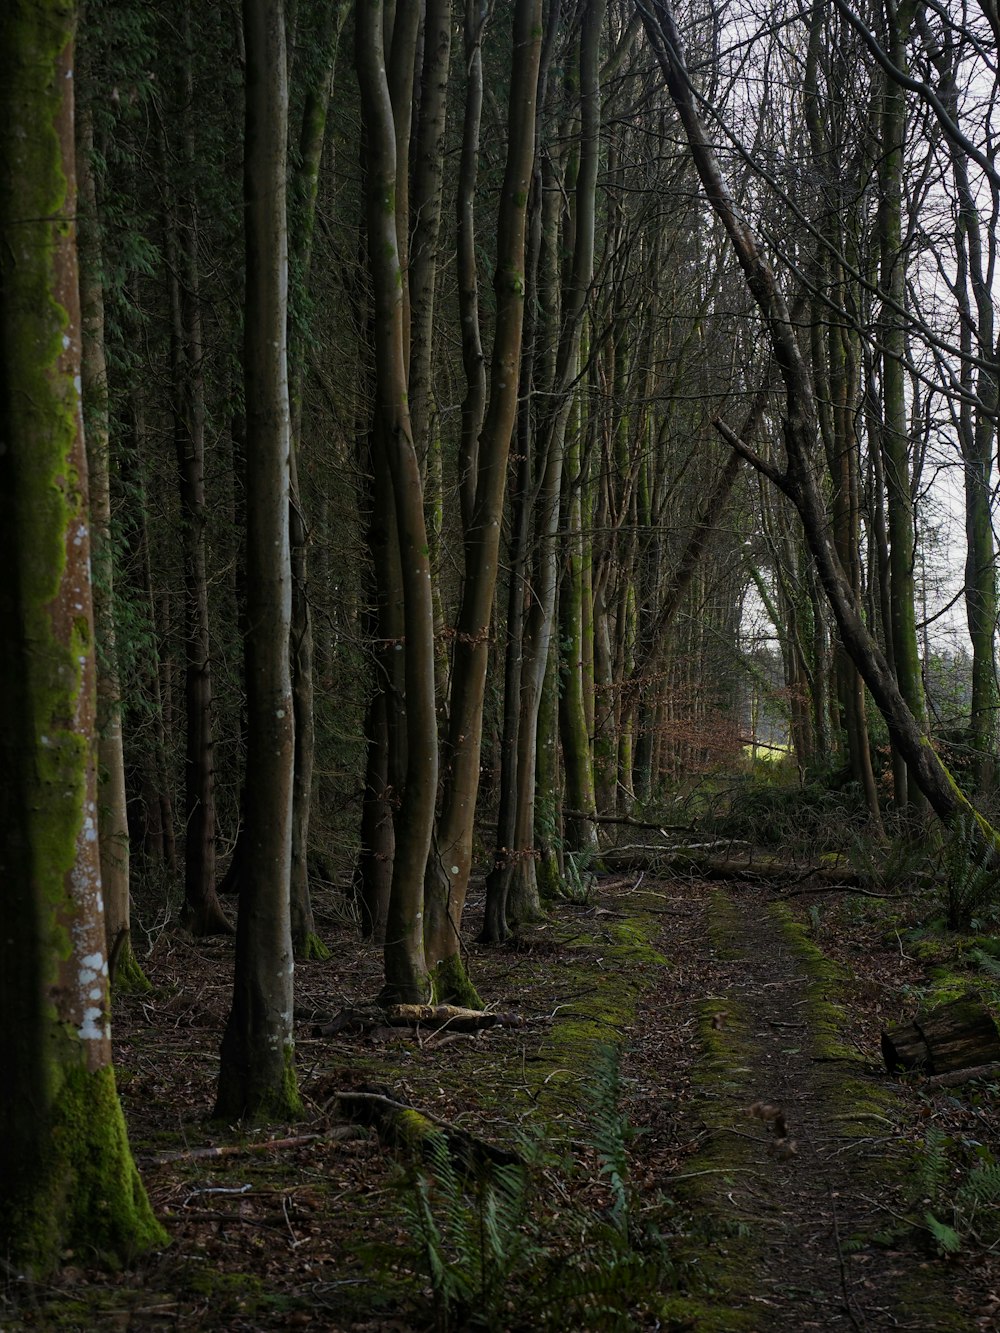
[(765, 1116)]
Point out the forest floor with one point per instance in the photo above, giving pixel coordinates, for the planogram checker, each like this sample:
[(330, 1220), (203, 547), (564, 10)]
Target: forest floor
[(709, 1138)]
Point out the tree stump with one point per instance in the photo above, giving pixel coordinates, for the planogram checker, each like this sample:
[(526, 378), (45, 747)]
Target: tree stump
[(957, 1035)]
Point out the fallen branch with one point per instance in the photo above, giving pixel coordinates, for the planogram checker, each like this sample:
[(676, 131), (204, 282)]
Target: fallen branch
[(238, 1149), (630, 821), (437, 1017), (688, 860), (406, 1127), (846, 888)]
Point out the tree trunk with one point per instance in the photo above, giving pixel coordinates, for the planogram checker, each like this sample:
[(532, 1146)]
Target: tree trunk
[(448, 873), (405, 966), (895, 435), (257, 1070), (202, 913), (112, 810), (63, 1142)]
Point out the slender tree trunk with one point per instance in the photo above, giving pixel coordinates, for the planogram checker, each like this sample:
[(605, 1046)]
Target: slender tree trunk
[(305, 184), (974, 280), (895, 436), (202, 913), (63, 1142), (111, 806), (257, 1071), (405, 965), (448, 873), (578, 764)]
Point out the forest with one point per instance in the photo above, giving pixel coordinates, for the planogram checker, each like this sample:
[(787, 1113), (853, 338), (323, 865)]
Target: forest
[(500, 751)]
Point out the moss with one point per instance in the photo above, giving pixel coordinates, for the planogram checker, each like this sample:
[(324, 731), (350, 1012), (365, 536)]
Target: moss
[(86, 1196), (228, 1293), (450, 984), (129, 978), (549, 881), (312, 950), (411, 1128), (690, 1312), (632, 943), (824, 979), (261, 1106)]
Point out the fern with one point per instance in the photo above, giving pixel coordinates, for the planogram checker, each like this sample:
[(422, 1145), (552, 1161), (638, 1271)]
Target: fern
[(609, 1135), (495, 1256), (970, 874), (947, 1238), (932, 1164), (985, 962), (981, 1187)]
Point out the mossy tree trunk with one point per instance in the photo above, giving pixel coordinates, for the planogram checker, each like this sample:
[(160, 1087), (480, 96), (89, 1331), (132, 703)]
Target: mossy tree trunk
[(257, 1073), (68, 1176)]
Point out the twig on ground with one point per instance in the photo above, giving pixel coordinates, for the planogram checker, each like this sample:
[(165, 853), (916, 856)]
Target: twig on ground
[(237, 1149), (840, 888)]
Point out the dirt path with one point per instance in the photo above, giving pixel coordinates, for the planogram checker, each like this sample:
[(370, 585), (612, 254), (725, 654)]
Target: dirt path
[(801, 1229)]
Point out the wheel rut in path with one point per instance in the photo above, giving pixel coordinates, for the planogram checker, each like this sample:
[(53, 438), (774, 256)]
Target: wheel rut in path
[(783, 1208)]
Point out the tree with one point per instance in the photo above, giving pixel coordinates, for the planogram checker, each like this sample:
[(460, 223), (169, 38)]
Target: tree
[(801, 435), (112, 811), (257, 1074), (448, 874), (202, 912), (69, 1178), (405, 963)]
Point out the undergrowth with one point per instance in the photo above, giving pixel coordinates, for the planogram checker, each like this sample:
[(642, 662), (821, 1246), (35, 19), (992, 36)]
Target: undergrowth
[(958, 1190), (510, 1249), (970, 877)]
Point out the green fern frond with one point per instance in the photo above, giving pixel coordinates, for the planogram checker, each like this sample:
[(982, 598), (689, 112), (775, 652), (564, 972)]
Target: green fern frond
[(947, 1238), (970, 873), (980, 1188), (933, 1167), (985, 962)]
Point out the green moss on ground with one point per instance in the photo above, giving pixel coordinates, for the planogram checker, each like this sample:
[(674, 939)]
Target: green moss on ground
[(824, 979)]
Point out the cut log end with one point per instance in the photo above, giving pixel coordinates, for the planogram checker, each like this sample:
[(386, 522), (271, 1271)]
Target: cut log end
[(959, 1035)]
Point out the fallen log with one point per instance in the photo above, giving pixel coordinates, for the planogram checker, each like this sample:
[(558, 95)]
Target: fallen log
[(960, 1035), (958, 1076), (657, 860), (435, 1017), (406, 1128)]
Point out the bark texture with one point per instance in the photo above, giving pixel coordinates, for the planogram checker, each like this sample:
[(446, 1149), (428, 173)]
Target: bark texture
[(67, 1171), (257, 1074)]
